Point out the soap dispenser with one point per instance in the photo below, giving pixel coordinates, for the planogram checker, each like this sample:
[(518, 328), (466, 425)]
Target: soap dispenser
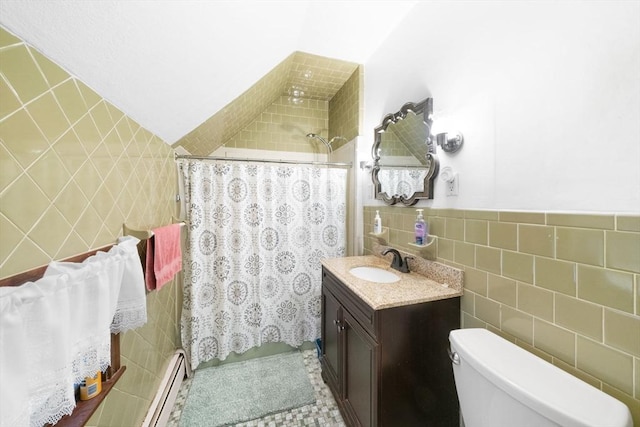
[(377, 224), (420, 229)]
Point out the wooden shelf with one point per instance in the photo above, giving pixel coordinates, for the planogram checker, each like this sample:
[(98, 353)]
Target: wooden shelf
[(85, 408)]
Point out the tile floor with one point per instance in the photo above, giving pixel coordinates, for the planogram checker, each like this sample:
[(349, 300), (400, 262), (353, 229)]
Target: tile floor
[(322, 413)]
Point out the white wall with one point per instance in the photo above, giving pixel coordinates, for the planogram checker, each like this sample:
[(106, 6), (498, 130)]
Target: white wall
[(547, 95)]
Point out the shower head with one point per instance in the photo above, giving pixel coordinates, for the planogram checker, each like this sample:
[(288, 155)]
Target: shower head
[(324, 141)]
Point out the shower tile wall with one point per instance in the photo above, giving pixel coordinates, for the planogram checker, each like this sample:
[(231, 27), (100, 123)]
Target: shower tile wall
[(73, 169), (319, 77), (346, 109), (283, 126), (564, 286)]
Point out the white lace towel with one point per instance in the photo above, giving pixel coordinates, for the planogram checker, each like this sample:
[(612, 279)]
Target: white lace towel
[(38, 355), (131, 311), (14, 393), (56, 331), (93, 288)]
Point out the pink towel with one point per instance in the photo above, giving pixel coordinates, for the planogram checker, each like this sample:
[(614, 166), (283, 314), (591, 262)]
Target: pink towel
[(164, 256)]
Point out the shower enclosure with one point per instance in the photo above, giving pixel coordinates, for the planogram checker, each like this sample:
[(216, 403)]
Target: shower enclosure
[(257, 233)]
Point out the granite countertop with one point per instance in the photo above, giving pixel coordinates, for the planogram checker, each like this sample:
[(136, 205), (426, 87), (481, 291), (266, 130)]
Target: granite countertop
[(439, 282)]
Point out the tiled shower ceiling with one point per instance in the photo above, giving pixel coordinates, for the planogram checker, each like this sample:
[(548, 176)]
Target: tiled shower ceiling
[(300, 77)]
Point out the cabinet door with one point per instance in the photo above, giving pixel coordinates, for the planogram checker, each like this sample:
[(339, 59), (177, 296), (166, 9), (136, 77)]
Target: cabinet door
[(331, 324), (359, 380)]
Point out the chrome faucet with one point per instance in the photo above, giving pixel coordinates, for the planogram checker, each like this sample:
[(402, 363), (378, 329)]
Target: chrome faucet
[(398, 263)]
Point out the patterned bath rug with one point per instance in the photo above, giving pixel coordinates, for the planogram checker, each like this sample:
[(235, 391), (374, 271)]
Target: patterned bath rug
[(242, 391)]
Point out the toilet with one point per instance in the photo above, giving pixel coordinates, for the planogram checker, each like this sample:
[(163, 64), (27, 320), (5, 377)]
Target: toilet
[(502, 385)]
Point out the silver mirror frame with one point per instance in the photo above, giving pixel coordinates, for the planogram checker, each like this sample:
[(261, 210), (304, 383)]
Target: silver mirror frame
[(424, 108)]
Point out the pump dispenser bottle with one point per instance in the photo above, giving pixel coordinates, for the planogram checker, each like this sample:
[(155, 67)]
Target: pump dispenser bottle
[(420, 229), (377, 224)]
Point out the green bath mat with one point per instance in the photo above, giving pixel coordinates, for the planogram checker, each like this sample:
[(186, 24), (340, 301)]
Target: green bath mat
[(243, 391)]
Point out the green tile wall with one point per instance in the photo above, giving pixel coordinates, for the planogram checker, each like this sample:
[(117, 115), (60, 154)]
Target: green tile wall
[(346, 110), (320, 79), (283, 126), (563, 286), (73, 169)]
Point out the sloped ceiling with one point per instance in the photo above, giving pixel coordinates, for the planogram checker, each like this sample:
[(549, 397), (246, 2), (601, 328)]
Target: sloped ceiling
[(171, 65)]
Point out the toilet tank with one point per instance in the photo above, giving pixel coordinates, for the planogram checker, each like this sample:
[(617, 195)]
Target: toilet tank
[(502, 385)]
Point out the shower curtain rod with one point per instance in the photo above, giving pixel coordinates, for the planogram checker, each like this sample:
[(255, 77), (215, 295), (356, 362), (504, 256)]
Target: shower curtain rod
[(236, 159)]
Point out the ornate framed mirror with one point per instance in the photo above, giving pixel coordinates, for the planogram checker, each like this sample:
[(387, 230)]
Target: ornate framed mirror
[(404, 160)]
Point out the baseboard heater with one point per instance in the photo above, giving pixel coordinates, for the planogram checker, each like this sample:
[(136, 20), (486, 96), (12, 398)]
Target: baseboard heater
[(160, 410)]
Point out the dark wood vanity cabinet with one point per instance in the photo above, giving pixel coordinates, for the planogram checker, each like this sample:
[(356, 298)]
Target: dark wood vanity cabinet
[(388, 367)]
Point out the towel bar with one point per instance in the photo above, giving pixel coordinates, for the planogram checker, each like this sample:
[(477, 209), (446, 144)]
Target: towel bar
[(146, 234)]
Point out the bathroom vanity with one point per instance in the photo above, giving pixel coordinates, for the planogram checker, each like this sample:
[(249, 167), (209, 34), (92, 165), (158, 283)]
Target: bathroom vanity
[(384, 345)]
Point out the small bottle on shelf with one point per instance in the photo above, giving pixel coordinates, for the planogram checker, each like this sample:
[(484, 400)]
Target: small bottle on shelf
[(377, 224), (421, 233)]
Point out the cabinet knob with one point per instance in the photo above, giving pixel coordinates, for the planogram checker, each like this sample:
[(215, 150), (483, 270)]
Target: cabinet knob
[(336, 322)]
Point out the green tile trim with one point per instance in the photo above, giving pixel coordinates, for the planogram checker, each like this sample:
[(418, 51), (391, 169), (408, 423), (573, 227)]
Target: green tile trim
[(449, 213), (628, 223), (485, 215), (522, 217), (601, 222)]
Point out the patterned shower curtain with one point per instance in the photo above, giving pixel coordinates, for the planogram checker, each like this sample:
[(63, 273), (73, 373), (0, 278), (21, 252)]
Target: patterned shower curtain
[(257, 233)]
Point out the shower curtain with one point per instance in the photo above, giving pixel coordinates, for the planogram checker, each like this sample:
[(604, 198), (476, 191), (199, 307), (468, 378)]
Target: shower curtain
[(257, 233)]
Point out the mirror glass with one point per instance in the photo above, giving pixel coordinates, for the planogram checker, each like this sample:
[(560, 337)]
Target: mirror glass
[(405, 165)]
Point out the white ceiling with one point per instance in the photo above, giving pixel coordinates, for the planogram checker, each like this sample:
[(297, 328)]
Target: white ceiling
[(172, 64)]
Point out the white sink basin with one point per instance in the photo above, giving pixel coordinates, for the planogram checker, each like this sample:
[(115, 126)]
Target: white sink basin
[(374, 274)]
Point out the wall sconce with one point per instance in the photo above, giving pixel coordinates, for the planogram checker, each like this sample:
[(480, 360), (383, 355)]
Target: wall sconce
[(450, 144)]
